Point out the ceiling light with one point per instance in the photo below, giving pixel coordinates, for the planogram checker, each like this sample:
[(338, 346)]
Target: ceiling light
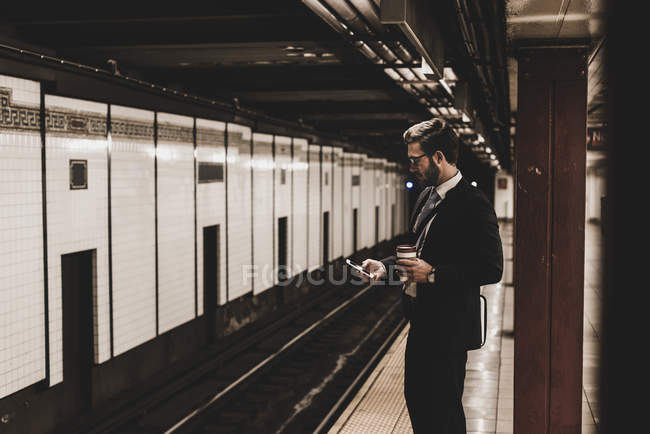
[(445, 86), (492, 156), (393, 74), (466, 118), (406, 73), (453, 111), (444, 111), (449, 74), (309, 54), (481, 139), (434, 111), (327, 55), (488, 150)]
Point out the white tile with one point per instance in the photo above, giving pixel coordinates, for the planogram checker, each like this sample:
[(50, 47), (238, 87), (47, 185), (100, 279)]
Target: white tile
[(262, 212), (300, 168), (22, 289), (283, 201), (133, 213), (238, 172), (326, 197), (315, 247), (176, 285), (211, 203), (77, 220), (337, 202)]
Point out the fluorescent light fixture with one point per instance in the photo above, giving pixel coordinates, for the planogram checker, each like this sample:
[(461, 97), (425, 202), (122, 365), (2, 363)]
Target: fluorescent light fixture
[(426, 69), (449, 74), (419, 74), (406, 73), (445, 86), (393, 74)]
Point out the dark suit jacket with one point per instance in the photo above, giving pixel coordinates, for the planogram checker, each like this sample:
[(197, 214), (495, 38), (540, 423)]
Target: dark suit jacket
[(464, 247)]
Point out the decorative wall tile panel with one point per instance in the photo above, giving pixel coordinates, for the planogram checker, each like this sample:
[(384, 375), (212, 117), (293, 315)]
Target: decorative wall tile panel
[(300, 169), (77, 220), (263, 221), (175, 154), (211, 203), (22, 289), (239, 211), (133, 214), (283, 199), (315, 247)]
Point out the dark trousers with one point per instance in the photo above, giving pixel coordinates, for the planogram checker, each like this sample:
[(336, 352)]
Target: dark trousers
[(433, 388)]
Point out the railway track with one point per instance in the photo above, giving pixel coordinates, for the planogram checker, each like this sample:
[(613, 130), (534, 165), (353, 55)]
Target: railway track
[(285, 380)]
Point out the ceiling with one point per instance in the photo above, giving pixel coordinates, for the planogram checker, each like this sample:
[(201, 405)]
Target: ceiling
[(329, 64)]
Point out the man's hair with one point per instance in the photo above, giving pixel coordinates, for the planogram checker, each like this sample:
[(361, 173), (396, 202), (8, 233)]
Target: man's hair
[(434, 135)]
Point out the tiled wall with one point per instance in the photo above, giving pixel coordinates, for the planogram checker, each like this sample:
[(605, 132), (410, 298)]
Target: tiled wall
[(300, 204), (367, 214), (283, 199), (356, 198), (347, 204), (239, 211), (263, 212), (380, 173), (315, 248), (211, 202), (22, 292), (390, 200), (77, 220), (175, 153), (133, 235), (400, 200), (337, 202), (326, 196)]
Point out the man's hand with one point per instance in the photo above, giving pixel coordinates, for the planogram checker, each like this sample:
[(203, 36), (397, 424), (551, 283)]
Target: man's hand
[(374, 267), (415, 269)]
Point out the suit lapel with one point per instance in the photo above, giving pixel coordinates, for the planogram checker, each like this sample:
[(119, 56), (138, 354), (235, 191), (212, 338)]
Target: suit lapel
[(440, 211)]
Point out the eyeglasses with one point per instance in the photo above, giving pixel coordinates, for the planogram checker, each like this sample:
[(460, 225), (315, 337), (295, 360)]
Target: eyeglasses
[(414, 160)]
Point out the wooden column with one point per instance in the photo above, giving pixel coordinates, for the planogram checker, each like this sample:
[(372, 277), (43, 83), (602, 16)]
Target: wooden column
[(549, 239)]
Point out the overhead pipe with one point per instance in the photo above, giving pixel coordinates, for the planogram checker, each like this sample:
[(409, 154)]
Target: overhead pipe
[(368, 10), (376, 51)]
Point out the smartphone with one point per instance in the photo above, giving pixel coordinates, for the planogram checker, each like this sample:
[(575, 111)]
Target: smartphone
[(358, 268)]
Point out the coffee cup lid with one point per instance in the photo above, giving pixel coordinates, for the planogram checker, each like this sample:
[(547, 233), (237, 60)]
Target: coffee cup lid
[(405, 248)]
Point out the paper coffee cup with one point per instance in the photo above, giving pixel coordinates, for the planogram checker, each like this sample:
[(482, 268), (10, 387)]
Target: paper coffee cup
[(405, 251)]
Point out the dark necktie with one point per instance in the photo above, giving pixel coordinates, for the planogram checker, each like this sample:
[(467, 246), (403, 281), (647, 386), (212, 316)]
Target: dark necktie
[(426, 211)]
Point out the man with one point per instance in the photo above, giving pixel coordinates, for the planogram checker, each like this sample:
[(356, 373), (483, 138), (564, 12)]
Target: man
[(455, 230)]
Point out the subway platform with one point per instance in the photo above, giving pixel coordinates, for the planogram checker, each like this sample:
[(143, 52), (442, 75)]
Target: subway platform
[(379, 405)]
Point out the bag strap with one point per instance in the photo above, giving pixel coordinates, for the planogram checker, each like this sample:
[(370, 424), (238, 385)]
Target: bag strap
[(484, 325)]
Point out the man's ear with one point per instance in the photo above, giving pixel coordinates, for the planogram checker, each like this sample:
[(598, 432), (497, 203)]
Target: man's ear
[(439, 156)]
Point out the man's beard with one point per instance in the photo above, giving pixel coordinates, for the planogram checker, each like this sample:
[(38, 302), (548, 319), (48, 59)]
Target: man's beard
[(430, 177)]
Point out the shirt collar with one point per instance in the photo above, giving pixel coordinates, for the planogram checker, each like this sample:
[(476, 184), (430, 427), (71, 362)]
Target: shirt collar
[(443, 188)]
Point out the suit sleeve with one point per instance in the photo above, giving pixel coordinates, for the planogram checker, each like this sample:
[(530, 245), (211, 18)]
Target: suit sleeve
[(391, 272), (482, 261)]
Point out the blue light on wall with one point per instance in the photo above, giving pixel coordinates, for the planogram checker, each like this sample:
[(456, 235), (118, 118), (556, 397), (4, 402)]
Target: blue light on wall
[(409, 185)]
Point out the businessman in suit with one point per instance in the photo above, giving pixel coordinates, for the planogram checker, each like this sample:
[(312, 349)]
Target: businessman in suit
[(455, 231)]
